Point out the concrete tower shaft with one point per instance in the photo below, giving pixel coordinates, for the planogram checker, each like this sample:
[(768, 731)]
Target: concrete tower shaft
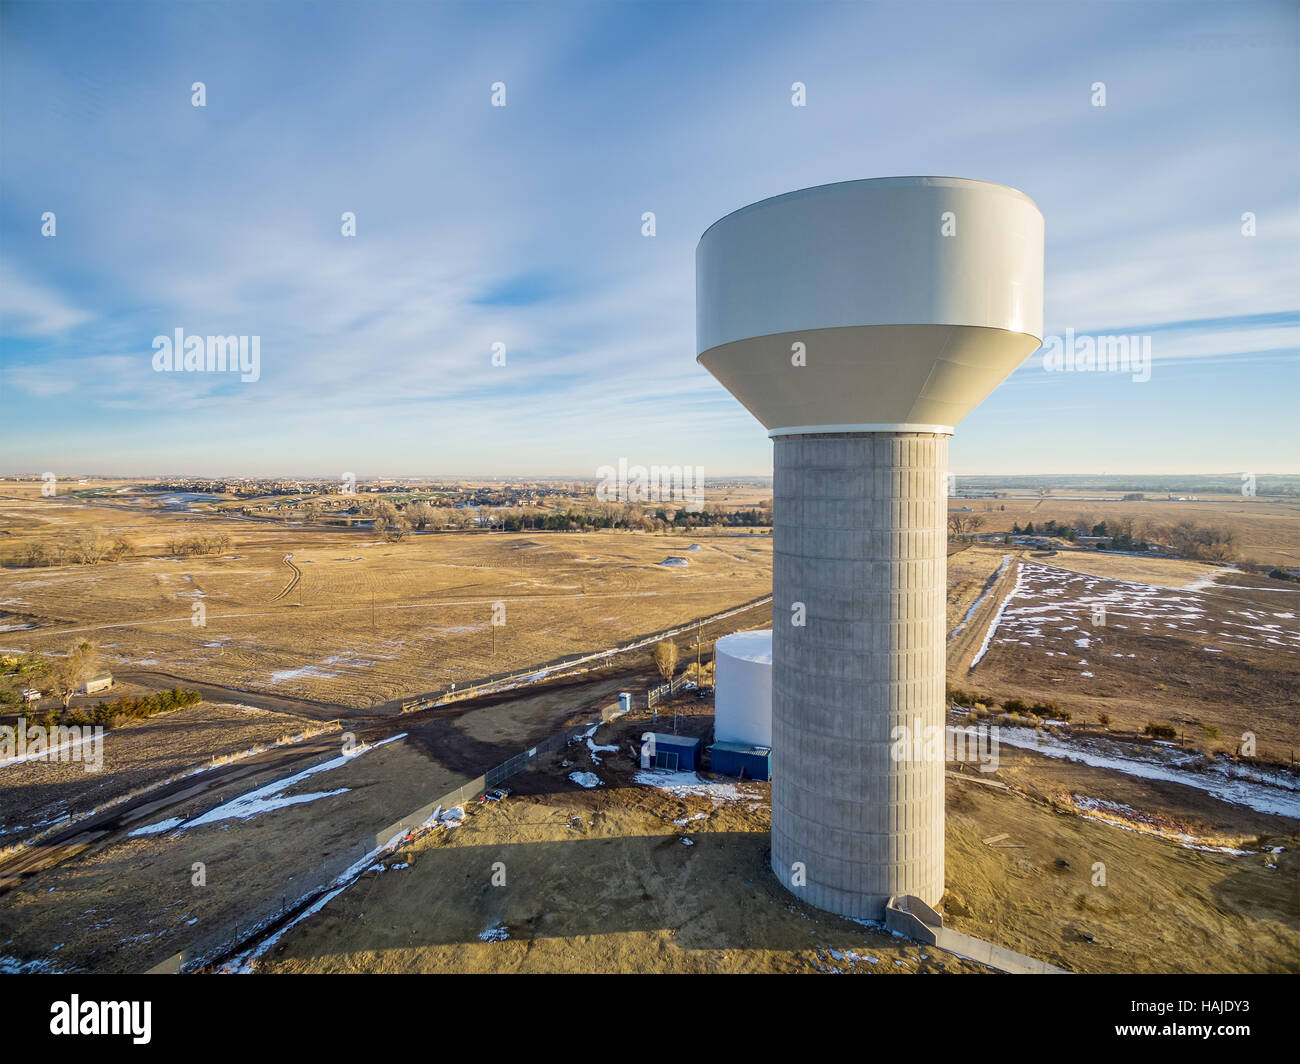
[(860, 550)]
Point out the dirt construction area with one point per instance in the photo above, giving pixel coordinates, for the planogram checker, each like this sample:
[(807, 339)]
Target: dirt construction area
[(668, 872), (38, 794), (194, 865)]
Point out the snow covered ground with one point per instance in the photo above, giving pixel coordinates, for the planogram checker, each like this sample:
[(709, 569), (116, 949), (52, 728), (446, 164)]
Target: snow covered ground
[(1264, 792), (683, 784), (268, 798), (1048, 601)]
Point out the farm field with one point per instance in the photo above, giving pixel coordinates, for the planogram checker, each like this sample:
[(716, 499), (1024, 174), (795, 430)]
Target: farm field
[(1212, 659), (348, 620), (1267, 530)]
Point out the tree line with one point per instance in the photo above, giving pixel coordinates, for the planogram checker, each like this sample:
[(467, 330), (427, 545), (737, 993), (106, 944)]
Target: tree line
[(1186, 539), (84, 548), (395, 522)]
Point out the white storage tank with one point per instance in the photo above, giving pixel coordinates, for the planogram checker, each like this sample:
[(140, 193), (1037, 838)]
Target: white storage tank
[(742, 681)]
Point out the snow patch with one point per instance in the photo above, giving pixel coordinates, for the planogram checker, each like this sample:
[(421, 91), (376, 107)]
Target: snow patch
[(271, 797)]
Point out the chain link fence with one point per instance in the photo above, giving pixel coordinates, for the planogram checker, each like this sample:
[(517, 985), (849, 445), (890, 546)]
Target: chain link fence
[(487, 684)]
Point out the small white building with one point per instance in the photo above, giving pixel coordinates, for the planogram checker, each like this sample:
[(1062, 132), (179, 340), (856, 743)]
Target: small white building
[(99, 683)]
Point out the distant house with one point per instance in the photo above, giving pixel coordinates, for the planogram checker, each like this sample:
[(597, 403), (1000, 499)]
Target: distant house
[(99, 683)]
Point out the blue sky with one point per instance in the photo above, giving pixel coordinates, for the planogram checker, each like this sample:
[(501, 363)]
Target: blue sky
[(522, 225)]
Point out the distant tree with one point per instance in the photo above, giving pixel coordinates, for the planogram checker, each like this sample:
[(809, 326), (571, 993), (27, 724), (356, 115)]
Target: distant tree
[(89, 548), (68, 673), (35, 554), (393, 529), (665, 658), (419, 514), (960, 523)]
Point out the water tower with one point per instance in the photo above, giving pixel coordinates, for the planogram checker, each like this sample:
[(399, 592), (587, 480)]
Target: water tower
[(859, 322)]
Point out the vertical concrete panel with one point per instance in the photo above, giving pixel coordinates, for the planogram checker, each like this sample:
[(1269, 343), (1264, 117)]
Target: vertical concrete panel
[(859, 540)]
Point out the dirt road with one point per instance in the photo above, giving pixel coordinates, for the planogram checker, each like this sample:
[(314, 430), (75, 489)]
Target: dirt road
[(964, 645), (519, 718)]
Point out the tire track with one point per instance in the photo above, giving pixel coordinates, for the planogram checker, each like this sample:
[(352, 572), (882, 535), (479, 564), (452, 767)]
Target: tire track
[(963, 644), (293, 581)]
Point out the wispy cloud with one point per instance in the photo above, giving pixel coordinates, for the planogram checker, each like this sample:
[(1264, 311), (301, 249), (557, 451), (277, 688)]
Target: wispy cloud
[(522, 225)]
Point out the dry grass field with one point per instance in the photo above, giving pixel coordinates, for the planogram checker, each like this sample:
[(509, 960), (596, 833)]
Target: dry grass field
[(347, 619), (604, 880), (1212, 658), (1267, 530)]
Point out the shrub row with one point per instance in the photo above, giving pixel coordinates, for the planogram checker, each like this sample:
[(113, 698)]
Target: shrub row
[(1043, 710), (121, 710)]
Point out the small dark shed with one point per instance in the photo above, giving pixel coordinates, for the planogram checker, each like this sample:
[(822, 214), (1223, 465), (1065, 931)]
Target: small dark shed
[(680, 753), (742, 760)]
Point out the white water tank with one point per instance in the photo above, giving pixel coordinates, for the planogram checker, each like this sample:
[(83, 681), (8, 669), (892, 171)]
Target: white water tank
[(742, 705), (859, 323)]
